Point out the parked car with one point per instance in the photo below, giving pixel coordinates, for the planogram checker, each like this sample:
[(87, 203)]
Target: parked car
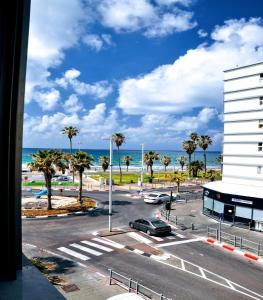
[(157, 197), (60, 178), (151, 226)]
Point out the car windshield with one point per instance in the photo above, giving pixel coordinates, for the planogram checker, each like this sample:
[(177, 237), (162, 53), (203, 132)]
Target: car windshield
[(157, 223), (152, 195)]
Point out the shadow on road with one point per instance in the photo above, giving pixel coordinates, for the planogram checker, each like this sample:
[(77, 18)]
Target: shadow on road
[(117, 202), (57, 265)]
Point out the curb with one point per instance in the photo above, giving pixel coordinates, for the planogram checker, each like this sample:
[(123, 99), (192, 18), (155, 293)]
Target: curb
[(234, 250), (77, 213)]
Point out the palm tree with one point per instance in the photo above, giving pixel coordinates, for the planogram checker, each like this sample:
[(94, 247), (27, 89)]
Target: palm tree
[(182, 159), (196, 166), (189, 147), (127, 159), (104, 161), (79, 162), (70, 131), (204, 141), (166, 160), (119, 139), (149, 158), (178, 179), (46, 161), (194, 137)]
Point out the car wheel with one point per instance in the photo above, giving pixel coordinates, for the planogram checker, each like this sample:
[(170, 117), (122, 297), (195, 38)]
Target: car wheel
[(131, 225), (148, 232)]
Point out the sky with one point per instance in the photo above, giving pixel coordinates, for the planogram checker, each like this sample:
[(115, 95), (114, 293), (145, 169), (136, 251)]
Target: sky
[(150, 69)]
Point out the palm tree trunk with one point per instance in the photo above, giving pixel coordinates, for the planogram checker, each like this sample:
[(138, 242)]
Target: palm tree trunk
[(151, 170), (80, 186), (189, 157), (205, 161), (178, 186), (119, 159), (49, 194), (127, 167), (70, 146)]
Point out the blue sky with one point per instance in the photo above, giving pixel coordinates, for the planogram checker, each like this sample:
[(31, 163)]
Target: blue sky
[(152, 70)]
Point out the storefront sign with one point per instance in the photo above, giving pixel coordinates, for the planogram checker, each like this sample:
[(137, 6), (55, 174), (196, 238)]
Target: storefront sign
[(242, 201)]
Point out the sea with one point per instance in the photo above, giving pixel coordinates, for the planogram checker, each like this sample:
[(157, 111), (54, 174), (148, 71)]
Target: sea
[(135, 154)]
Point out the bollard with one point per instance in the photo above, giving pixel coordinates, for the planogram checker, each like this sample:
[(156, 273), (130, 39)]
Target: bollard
[(193, 226), (129, 285), (175, 220), (161, 296), (217, 237), (235, 241), (110, 275), (258, 249), (137, 287), (241, 242)]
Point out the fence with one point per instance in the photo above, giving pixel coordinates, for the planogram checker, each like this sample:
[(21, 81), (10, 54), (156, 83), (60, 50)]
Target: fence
[(135, 287), (236, 241)]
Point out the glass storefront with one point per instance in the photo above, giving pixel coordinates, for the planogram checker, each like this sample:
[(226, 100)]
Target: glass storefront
[(239, 210)]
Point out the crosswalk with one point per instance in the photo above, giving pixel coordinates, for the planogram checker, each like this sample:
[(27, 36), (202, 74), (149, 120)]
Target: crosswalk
[(95, 247), (86, 250)]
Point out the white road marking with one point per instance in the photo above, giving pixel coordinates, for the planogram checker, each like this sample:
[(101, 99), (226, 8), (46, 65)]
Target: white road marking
[(100, 274), (109, 243), (170, 237), (202, 272), (139, 238), (158, 239), (179, 242), (179, 235), (85, 249), (73, 253), (183, 265), (138, 251), (228, 283), (97, 246)]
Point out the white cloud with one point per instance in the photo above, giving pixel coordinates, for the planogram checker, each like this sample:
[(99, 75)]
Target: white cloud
[(153, 20), (172, 2), (97, 42), (47, 100), (53, 29), (100, 89), (93, 125), (72, 104), (195, 79), (202, 33)]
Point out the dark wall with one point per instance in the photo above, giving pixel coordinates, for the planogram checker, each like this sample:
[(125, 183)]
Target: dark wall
[(14, 26)]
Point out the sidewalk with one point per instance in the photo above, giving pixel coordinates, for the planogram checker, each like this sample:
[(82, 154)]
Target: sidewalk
[(79, 282)]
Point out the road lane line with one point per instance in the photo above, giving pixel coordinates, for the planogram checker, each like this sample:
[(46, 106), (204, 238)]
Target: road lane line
[(179, 242), (254, 295), (138, 251), (73, 253), (109, 243), (202, 272), (97, 246), (178, 234), (230, 284), (139, 238), (85, 249)]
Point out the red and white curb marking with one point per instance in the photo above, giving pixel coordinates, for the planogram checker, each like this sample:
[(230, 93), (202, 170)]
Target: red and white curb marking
[(235, 250)]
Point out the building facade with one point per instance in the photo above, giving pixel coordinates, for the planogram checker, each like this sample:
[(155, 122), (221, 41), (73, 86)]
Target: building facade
[(238, 198)]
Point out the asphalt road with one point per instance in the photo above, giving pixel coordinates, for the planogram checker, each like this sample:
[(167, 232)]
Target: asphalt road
[(173, 282)]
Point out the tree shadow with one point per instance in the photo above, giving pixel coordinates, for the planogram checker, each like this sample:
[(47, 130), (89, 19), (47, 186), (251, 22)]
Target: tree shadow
[(100, 212)]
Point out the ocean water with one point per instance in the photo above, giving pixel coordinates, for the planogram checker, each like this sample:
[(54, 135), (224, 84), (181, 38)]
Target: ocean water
[(135, 154)]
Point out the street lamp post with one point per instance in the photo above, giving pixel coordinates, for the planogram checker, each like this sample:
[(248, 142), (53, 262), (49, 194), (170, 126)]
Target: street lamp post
[(142, 167), (110, 188)]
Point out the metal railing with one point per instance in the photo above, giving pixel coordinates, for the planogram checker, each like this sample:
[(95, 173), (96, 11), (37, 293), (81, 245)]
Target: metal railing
[(236, 241), (134, 286)]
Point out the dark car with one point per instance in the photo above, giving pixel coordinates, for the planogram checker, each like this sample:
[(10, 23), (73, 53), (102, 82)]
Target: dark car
[(151, 226)]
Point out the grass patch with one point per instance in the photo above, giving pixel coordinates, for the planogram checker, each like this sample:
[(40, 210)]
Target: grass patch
[(63, 210), (157, 177), (42, 183)]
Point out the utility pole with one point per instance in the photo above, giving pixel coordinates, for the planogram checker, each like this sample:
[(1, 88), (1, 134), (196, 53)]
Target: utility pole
[(110, 188)]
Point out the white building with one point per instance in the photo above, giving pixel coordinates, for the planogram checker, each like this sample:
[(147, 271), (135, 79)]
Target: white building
[(238, 198)]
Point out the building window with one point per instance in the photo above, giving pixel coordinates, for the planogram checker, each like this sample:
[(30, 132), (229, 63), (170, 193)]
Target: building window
[(260, 147), (260, 100), (260, 124), (259, 170)]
